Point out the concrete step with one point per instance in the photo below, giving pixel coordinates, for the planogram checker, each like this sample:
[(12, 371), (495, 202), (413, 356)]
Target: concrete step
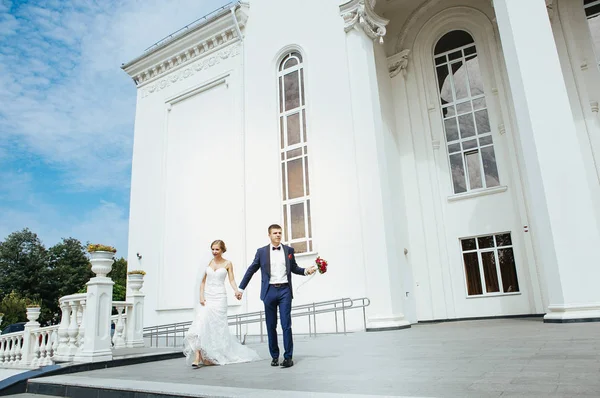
[(82, 386)]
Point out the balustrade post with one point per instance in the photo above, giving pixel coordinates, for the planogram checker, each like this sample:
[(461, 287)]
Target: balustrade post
[(73, 330), (135, 320), (96, 343), (29, 349), (81, 335)]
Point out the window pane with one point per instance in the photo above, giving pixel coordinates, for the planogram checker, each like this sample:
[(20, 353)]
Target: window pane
[(285, 223), (294, 153), (290, 62), (452, 148), (508, 270), (451, 129), (479, 103), (292, 93), (283, 184), (309, 219), (468, 244), (302, 84), (469, 50), (489, 272), (463, 107), (299, 247), (489, 167), (444, 84), (483, 122), (485, 140), (304, 124), (467, 127), (281, 130), (475, 82), (485, 242), (280, 95), (460, 80), (440, 60), (297, 218), (474, 170), (469, 144), (295, 179), (452, 40), (448, 111), (306, 175), (503, 240), (472, 274), (293, 129), (458, 173)]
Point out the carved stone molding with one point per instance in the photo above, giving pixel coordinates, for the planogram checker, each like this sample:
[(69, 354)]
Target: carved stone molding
[(193, 42), (398, 63), (191, 69), (360, 13), (594, 106)]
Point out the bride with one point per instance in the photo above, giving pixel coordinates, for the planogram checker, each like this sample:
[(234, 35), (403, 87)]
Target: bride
[(208, 341)]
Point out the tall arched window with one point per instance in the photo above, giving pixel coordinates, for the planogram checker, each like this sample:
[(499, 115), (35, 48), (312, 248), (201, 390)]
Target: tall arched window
[(294, 154), (464, 113)]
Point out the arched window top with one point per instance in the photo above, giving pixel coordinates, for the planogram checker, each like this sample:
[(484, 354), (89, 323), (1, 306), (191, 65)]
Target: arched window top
[(453, 40), (292, 59)]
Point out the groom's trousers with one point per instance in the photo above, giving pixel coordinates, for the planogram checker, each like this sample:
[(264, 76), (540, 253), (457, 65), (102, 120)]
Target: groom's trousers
[(279, 296)]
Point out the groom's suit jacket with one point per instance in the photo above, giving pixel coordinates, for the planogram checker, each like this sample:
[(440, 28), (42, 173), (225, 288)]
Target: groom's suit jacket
[(262, 261)]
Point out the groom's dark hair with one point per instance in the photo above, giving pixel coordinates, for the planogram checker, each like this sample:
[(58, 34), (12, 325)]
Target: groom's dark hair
[(274, 226)]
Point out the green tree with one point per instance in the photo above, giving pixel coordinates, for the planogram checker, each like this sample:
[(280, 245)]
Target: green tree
[(68, 272), (13, 306), (118, 274), (23, 264)]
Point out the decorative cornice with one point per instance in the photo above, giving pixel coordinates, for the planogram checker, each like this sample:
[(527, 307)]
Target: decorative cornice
[(360, 13), (191, 69), (398, 63), (198, 42)]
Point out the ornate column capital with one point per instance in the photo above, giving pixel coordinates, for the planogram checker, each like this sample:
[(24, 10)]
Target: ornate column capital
[(398, 63), (360, 13)]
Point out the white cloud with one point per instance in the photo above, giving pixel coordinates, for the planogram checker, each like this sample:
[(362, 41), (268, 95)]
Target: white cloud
[(64, 95)]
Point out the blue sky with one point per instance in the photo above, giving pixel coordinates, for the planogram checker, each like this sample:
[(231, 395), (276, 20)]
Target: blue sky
[(67, 111)]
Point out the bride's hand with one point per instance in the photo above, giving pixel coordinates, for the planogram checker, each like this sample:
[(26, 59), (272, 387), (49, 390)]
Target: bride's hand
[(202, 301)]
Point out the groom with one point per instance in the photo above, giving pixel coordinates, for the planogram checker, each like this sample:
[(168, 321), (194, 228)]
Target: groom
[(276, 262)]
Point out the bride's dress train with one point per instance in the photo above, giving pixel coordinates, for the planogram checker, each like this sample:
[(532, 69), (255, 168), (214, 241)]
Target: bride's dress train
[(209, 332)]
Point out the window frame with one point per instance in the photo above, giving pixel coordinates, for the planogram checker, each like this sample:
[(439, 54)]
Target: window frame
[(479, 252), (468, 99), (284, 149)]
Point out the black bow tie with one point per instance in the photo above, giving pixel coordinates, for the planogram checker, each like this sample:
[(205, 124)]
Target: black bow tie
[(277, 248)]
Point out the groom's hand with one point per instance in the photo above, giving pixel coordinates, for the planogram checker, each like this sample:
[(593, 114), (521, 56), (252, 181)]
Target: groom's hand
[(311, 270), (238, 295)]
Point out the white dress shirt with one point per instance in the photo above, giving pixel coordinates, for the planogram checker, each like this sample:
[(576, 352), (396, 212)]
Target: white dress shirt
[(278, 269)]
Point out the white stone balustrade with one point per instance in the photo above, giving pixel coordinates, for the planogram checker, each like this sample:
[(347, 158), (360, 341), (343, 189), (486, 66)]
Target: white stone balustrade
[(84, 332)]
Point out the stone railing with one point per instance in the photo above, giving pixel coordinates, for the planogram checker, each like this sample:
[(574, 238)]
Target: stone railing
[(31, 348), (85, 330)]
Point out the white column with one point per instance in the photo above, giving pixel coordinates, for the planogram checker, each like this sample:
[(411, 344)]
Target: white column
[(135, 320), (363, 26), (564, 220), (96, 344)]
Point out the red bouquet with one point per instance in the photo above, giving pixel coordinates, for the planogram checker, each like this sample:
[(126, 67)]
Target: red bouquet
[(321, 265)]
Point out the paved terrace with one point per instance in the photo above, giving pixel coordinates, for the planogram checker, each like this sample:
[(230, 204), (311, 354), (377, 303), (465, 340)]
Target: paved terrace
[(491, 358)]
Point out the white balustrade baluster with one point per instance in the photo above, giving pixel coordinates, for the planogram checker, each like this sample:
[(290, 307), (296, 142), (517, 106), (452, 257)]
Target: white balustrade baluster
[(73, 327), (82, 325), (35, 341), (119, 340), (63, 331)]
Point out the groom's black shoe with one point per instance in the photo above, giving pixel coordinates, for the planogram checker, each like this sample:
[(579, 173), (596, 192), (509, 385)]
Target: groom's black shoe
[(275, 362), (287, 362)]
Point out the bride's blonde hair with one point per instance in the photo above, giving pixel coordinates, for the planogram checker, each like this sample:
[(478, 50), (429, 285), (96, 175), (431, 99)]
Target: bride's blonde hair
[(221, 245)]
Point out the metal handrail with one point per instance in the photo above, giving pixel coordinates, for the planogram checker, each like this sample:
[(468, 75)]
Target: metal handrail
[(310, 311), (191, 24)]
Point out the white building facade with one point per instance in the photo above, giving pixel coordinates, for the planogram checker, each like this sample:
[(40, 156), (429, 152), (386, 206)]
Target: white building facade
[(442, 155)]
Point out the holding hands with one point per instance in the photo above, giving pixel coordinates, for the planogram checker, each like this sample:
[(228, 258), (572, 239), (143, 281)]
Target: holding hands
[(238, 295), (202, 301)]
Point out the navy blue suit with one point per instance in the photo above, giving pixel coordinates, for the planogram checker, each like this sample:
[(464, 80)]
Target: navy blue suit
[(274, 297)]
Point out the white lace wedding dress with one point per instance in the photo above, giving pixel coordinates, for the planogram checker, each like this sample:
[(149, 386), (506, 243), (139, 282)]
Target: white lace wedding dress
[(209, 332)]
